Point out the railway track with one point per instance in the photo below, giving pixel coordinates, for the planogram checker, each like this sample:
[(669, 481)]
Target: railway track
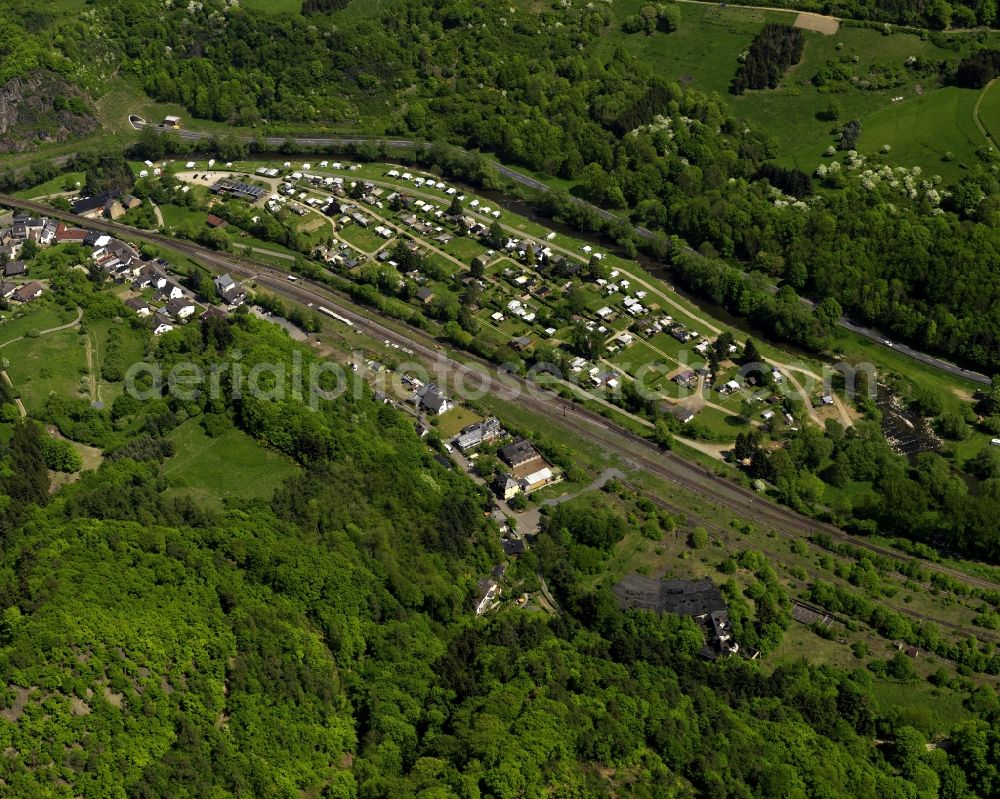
[(721, 532), (633, 448)]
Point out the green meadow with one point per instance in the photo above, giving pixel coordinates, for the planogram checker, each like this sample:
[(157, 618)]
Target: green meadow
[(232, 466)]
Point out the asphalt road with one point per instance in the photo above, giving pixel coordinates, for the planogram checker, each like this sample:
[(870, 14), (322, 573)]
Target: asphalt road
[(537, 185)]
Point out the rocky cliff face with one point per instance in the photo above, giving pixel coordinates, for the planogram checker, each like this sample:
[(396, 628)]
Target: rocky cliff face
[(42, 107)]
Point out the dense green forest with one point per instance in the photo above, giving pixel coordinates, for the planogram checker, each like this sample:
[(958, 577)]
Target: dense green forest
[(773, 50), (323, 643)]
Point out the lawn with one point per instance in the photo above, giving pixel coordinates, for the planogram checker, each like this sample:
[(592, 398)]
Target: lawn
[(367, 241), (722, 427), (230, 467), (639, 356), (448, 424), (464, 248)]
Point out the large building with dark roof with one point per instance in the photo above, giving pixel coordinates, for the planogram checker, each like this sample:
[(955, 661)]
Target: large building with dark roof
[(695, 598), (242, 191), (699, 599)]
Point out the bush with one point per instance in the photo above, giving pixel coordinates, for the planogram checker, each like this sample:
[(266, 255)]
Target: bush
[(698, 538)]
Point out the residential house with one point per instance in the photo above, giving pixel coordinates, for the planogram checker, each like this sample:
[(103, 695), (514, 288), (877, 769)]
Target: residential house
[(235, 295), (140, 306), (231, 292), (33, 228), (215, 312), (71, 234), (434, 402), (180, 308), (151, 277), (488, 590), (224, 282), (113, 209), (537, 479), (7, 289), (683, 413), (170, 291), (513, 546), (505, 486), (476, 434), (48, 234), (29, 291), (14, 268), (214, 221), (425, 295)]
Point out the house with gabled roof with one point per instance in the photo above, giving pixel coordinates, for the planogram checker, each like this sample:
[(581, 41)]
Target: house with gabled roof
[(29, 291)]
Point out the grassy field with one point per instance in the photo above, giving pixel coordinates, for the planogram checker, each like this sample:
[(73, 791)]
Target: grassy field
[(131, 350), (176, 215), (922, 130), (230, 467), (989, 110), (40, 315), (703, 54), (67, 181), (53, 364)]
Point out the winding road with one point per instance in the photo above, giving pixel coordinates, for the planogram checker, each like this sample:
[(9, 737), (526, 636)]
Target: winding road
[(138, 123)]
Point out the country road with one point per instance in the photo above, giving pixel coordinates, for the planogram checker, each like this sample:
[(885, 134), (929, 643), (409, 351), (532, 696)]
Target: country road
[(532, 183)]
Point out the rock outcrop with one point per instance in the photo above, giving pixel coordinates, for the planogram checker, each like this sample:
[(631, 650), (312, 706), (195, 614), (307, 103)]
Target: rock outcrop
[(42, 107)]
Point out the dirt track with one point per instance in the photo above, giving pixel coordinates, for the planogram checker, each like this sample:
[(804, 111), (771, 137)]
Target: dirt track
[(817, 22), (806, 20)]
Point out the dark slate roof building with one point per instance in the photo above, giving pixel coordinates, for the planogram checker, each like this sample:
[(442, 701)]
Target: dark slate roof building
[(517, 453), (697, 598), (87, 204)]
